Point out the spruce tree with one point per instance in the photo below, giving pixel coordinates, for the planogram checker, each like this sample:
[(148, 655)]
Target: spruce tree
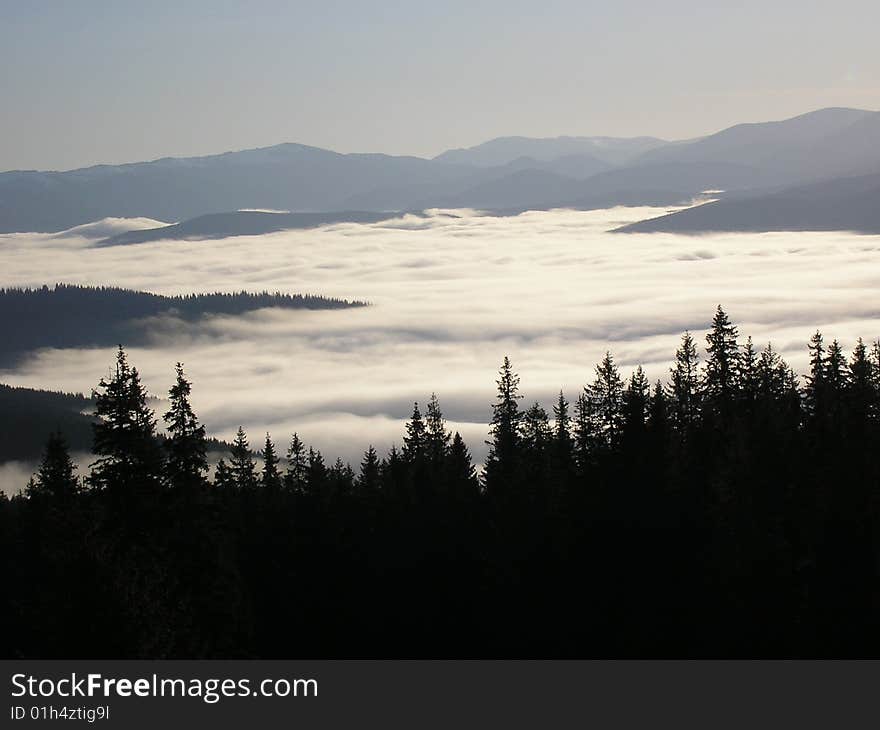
[(437, 437), (501, 462), (606, 396), (125, 435), (223, 477), (297, 474), (722, 364), (585, 435), (685, 385), (270, 478), (562, 431), (241, 462), (369, 477), (461, 473), (186, 462), (415, 440), (815, 391), (537, 435), (56, 476), (636, 398), (317, 473)]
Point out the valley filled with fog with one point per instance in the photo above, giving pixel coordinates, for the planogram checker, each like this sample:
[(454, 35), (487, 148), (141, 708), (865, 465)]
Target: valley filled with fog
[(451, 294)]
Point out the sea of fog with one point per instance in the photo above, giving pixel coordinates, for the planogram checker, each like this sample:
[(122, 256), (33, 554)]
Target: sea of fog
[(451, 295)]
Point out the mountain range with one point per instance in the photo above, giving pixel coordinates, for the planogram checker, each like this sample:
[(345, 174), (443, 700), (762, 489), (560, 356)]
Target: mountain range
[(747, 161)]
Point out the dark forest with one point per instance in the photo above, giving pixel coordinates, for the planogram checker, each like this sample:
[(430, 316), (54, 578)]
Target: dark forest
[(68, 315), (733, 510)]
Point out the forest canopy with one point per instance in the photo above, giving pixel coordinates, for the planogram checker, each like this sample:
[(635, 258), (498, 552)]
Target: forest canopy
[(732, 510)]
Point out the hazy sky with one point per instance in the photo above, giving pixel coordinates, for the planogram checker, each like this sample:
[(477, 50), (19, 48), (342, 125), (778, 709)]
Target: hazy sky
[(110, 80)]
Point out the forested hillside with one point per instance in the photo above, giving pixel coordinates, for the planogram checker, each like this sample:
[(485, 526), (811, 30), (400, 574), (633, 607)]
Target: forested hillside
[(80, 316), (733, 510)]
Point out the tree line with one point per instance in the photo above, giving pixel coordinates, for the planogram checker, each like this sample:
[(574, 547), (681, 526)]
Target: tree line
[(731, 510), (70, 315)]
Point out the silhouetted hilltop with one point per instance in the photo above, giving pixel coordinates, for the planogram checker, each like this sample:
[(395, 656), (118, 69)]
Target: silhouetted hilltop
[(29, 415), (81, 316), (851, 203)]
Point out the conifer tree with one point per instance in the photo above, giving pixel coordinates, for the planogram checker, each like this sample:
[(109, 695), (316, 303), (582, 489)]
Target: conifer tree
[(186, 462), (241, 463), (536, 432), (370, 476), (562, 431), (585, 436), (223, 477), (722, 364), (56, 476), (816, 379), (125, 435), (296, 476), (635, 400), (862, 394), (317, 473), (270, 478), (501, 462), (461, 473), (748, 373), (415, 440), (685, 385), (658, 410), (437, 437), (606, 396)]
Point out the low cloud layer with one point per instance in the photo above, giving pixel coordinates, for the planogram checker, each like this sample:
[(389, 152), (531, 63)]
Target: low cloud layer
[(451, 294)]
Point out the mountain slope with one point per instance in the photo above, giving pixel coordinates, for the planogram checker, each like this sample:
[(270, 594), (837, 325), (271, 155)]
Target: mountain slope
[(818, 144), (851, 203)]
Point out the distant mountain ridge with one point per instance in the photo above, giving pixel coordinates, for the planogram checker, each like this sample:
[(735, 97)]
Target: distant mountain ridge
[(506, 173)]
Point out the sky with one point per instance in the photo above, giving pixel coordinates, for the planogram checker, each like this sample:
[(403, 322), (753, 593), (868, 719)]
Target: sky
[(109, 81), (450, 296)]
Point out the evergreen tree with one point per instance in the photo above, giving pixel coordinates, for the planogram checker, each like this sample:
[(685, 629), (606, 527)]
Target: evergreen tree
[(317, 473), (501, 462), (749, 374), (658, 412), (535, 429), (56, 476), (606, 397), (297, 475), (585, 434), (241, 463), (415, 440), (722, 364), (186, 462), (437, 438), (223, 477), (270, 478), (562, 431), (125, 435), (461, 473), (815, 392), (685, 385), (370, 476), (636, 399)]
